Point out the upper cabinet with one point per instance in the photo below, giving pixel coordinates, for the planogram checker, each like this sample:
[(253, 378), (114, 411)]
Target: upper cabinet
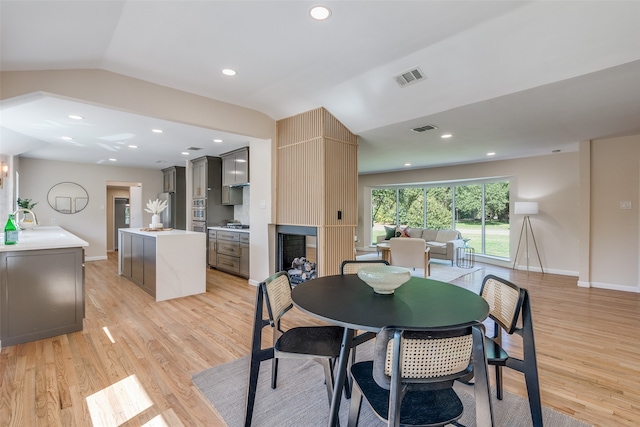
[(168, 180), (173, 179), (199, 168), (235, 167)]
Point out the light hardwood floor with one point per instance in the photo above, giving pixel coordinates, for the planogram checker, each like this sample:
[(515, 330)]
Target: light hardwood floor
[(588, 346)]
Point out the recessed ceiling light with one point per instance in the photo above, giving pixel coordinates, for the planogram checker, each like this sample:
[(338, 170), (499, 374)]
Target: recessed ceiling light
[(113, 160), (66, 138), (320, 13), (185, 153), (491, 154), (228, 72), (157, 130), (217, 140), (75, 117), (446, 135), (133, 146), (407, 164)]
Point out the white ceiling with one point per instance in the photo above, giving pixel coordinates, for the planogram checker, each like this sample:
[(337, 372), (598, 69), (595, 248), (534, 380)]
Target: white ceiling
[(516, 78)]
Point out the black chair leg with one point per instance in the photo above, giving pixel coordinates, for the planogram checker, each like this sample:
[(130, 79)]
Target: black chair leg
[(257, 356), (274, 372), (328, 377), (533, 391), (499, 393), (531, 365), (354, 407), (254, 369)]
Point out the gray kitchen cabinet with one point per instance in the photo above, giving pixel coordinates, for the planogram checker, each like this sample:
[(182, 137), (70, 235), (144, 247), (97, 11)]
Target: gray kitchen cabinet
[(41, 294), (138, 260), (231, 195), (213, 252), (207, 184), (169, 177), (199, 181), (244, 255), (231, 251), (125, 253), (235, 167)]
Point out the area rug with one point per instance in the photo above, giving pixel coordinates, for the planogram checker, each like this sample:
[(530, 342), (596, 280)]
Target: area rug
[(301, 398), (442, 271)]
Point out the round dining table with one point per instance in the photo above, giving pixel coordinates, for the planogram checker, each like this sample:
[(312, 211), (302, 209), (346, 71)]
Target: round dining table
[(347, 301)]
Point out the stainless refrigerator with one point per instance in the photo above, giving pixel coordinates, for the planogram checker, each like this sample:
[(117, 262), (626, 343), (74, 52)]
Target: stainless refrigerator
[(175, 214)]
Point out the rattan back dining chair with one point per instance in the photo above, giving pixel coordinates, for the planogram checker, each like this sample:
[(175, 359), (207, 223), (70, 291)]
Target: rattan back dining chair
[(507, 303), (410, 379), (320, 343), (351, 266)]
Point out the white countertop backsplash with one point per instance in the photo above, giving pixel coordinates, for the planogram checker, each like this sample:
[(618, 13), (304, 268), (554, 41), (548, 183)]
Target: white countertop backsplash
[(160, 234), (239, 230), (50, 237)]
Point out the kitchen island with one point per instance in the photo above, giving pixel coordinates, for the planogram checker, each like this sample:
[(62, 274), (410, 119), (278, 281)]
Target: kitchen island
[(166, 264), (41, 285)]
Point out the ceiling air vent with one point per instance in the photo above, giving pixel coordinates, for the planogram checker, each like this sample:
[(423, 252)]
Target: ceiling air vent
[(409, 77), (193, 148), (424, 128)]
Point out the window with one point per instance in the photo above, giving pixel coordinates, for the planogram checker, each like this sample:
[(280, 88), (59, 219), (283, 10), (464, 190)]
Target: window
[(480, 211)]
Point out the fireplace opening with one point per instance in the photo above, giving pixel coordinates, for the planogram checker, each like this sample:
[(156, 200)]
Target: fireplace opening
[(297, 252)]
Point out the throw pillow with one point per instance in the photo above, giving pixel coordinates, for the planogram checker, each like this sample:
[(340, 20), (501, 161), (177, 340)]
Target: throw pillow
[(405, 232), (389, 232)]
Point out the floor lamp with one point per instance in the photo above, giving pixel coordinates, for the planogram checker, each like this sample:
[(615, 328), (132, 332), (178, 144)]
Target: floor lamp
[(526, 209)]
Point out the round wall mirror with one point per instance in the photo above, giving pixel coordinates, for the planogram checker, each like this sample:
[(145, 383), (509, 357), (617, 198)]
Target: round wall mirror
[(68, 197)]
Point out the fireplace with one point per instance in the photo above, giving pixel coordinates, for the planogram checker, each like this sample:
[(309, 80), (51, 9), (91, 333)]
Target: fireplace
[(296, 252)]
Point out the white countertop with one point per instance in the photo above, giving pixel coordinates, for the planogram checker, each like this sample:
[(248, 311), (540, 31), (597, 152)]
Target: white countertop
[(239, 230), (50, 237), (158, 233)]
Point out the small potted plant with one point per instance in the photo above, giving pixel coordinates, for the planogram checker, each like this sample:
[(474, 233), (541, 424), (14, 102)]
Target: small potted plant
[(26, 203)]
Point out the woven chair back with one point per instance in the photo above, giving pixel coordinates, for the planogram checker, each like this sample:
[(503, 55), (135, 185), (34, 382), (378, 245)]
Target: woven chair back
[(353, 266), (505, 301), (277, 290), (426, 356)]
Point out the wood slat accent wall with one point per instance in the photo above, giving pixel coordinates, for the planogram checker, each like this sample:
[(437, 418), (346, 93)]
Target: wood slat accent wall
[(317, 176), (300, 184), (341, 183), (335, 244)]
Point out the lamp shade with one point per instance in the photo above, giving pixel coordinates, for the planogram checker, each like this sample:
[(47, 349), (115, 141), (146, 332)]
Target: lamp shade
[(525, 208)]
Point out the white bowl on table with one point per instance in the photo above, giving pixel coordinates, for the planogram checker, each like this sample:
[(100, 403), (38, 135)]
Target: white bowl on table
[(384, 279)]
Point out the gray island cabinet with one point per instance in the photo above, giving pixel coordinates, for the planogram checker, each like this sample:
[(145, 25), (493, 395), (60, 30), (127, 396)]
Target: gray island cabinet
[(166, 264), (41, 285)]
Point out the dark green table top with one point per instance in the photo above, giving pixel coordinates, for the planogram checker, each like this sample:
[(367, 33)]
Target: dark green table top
[(422, 303)]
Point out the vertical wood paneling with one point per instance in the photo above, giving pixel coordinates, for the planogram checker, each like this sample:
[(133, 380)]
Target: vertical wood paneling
[(341, 183), (335, 244), (300, 184), (317, 176)]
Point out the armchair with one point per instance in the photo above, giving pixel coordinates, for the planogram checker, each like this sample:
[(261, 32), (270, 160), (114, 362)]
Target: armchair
[(410, 252)]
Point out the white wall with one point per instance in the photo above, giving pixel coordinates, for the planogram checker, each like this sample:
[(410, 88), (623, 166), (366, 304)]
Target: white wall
[(90, 224), (261, 214), (552, 180)]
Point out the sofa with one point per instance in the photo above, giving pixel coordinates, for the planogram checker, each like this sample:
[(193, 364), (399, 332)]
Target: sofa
[(442, 244)]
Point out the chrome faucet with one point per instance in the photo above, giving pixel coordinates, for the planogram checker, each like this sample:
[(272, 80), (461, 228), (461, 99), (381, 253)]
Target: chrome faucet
[(35, 218)]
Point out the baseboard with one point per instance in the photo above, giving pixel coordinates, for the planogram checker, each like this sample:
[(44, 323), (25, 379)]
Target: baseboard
[(96, 258), (612, 287)]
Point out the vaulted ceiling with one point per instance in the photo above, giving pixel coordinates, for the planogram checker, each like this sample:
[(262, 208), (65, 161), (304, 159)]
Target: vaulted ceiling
[(514, 78)]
